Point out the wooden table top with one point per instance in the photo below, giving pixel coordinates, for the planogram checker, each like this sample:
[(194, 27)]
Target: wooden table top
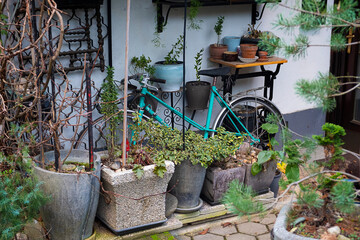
[(239, 64)]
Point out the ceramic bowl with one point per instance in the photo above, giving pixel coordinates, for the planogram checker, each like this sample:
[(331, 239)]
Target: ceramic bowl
[(248, 60), (230, 56)]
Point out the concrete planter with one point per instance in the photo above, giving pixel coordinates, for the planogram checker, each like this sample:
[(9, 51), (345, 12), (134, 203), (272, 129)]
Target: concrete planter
[(74, 197), (123, 214), (217, 182), (279, 231)]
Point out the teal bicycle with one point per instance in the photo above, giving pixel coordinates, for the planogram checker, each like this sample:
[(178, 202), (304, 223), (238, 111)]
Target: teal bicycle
[(243, 115)]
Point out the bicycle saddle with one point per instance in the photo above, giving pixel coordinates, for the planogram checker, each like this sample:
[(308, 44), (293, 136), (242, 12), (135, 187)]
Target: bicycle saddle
[(216, 72)]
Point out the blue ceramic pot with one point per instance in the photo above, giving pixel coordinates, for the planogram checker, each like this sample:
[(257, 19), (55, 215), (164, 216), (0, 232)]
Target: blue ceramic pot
[(232, 42), (172, 73)]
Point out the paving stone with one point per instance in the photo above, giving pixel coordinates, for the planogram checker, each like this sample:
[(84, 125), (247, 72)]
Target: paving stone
[(252, 228), (268, 219), (270, 226), (208, 236), (264, 237), (224, 231), (240, 236), (182, 237)]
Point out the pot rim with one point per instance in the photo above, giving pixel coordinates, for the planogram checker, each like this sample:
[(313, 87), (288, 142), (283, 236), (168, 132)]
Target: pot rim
[(97, 161)]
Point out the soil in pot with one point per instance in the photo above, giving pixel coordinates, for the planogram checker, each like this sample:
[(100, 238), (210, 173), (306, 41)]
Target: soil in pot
[(315, 228), (197, 94)]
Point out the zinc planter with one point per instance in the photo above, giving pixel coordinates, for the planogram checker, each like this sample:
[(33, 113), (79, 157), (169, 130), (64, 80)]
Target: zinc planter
[(279, 231), (172, 73), (197, 94), (260, 183), (217, 182), (123, 214), (71, 211), (187, 183)]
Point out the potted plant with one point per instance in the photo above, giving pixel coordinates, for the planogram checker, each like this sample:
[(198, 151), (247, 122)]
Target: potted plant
[(171, 69), (191, 159), (199, 153), (217, 49), (249, 165), (198, 92), (133, 194), (325, 198)]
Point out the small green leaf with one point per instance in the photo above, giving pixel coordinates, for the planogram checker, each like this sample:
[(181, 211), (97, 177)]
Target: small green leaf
[(160, 171), (264, 156), (255, 168), (273, 142), (138, 170), (270, 128)]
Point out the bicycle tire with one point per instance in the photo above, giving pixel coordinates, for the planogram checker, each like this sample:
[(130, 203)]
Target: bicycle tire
[(99, 133), (252, 112)]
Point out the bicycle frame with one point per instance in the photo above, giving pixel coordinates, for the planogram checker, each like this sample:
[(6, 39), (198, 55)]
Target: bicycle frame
[(213, 95)]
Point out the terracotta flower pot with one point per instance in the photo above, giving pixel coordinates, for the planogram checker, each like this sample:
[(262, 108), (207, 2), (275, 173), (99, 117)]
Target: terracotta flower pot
[(248, 50), (216, 51)]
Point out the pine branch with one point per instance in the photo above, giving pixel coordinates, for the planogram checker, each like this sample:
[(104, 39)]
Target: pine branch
[(352, 24)]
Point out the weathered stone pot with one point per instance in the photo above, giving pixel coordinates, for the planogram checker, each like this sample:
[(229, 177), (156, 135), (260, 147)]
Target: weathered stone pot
[(217, 182), (74, 197), (260, 183), (123, 213), (279, 231)]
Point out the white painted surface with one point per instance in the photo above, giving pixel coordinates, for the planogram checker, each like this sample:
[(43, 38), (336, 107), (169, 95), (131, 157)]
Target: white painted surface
[(237, 17)]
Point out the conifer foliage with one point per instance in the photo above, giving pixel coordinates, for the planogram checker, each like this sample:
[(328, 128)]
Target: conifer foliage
[(20, 194)]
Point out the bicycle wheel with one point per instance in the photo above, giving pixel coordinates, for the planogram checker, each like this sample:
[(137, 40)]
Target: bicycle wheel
[(100, 131), (252, 113)]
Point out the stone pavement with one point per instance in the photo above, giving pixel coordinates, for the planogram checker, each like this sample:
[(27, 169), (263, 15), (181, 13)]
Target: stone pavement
[(255, 228)]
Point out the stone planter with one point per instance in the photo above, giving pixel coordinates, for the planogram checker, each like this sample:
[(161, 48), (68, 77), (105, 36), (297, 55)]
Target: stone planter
[(74, 197), (260, 183), (123, 214), (279, 231), (217, 182)]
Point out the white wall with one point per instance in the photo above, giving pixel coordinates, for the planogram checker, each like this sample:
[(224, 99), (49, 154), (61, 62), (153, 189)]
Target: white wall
[(237, 17)]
